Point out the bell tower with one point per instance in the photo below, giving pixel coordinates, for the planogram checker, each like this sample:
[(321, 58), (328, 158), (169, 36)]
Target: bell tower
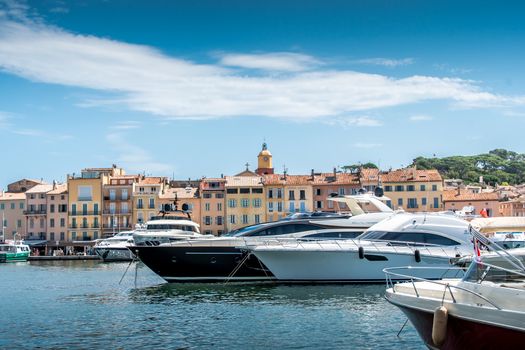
[(264, 161)]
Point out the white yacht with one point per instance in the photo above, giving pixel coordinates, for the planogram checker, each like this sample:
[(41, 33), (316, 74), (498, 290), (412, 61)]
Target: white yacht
[(403, 239), (168, 228), (115, 248), (484, 309)]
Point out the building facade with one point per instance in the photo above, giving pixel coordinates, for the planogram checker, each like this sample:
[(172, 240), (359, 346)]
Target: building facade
[(117, 214), (213, 208), (513, 207), (36, 212), (186, 197), (146, 193), (245, 201), (326, 185), (57, 213), (12, 217), (413, 190), (287, 194), (459, 198)]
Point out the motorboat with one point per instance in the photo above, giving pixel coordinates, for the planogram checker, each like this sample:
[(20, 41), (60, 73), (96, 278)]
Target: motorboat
[(224, 258), (115, 248), (167, 228), (14, 252), (403, 239), (485, 309)]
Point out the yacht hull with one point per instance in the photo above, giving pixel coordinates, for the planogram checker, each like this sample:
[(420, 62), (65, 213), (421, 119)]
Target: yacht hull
[(114, 254), (343, 266), (201, 264), (462, 333)]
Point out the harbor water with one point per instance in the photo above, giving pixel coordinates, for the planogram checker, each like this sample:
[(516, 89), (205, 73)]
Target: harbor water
[(80, 305)]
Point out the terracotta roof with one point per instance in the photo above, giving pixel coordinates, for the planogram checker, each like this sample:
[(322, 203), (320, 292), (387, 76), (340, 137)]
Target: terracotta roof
[(214, 179), (340, 179), (151, 180), (9, 196), (188, 192), (452, 195), (369, 174), (239, 181), (292, 180), (318, 180), (60, 189), (42, 188), (411, 175)]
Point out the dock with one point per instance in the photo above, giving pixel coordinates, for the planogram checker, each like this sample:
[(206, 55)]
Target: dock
[(63, 257)]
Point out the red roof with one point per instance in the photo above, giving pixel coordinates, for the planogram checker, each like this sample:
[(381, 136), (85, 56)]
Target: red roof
[(463, 195)]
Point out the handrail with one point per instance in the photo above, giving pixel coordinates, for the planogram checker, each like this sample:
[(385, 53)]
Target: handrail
[(388, 272)]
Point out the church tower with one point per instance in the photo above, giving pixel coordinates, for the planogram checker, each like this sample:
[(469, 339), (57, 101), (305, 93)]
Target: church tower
[(264, 161)]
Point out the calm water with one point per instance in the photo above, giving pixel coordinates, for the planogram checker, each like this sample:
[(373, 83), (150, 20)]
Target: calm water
[(82, 305)]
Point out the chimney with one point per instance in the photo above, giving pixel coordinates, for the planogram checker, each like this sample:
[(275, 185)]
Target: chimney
[(335, 173), (459, 191), (54, 184), (284, 174), (312, 175)]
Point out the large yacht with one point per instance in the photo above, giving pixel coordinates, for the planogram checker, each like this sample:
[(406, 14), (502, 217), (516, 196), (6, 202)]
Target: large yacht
[(403, 239), (485, 309), (223, 258)]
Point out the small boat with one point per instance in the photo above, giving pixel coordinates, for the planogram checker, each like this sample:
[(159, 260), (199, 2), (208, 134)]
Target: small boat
[(13, 252), (115, 248), (485, 309)]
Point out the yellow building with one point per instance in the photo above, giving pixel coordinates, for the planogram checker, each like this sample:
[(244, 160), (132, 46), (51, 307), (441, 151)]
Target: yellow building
[(287, 194), (245, 203), (146, 198), (413, 190), (85, 202)]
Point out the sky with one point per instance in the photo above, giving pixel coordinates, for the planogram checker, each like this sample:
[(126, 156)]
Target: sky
[(188, 89)]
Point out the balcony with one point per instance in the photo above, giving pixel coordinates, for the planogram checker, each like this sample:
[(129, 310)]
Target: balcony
[(117, 227), (35, 212), (83, 213), (83, 227), (117, 199), (116, 212)]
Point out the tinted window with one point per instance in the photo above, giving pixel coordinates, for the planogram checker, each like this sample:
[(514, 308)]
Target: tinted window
[(285, 229), (427, 238), (334, 235)]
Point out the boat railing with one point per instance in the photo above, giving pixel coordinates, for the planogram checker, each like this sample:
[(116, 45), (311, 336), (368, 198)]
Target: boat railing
[(392, 277), (351, 244)]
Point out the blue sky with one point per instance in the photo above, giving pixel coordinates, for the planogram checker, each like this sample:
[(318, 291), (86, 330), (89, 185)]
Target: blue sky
[(192, 88)]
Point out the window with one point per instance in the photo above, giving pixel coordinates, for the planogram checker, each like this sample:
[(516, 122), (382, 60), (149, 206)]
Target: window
[(95, 209), (219, 206), (124, 208), (400, 201), (292, 207), (412, 203), (206, 195), (232, 203), (52, 208), (62, 197), (318, 192), (62, 236), (207, 220), (257, 202), (270, 207), (42, 222), (52, 236), (73, 236), (141, 189), (112, 194), (21, 205), (319, 205), (279, 193), (279, 206), (400, 188), (424, 201), (219, 195), (302, 195), (232, 190), (244, 219), (152, 203), (62, 222), (257, 190), (257, 219), (341, 191), (207, 206), (411, 188), (218, 220), (74, 223), (31, 223), (42, 196), (330, 204), (434, 187), (13, 205), (302, 207), (124, 194), (2, 206), (270, 193), (245, 203), (84, 193), (84, 209), (232, 219), (333, 235), (19, 223), (51, 222), (95, 235), (84, 223), (291, 195), (436, 202), (388, 188), (244, 190), (422, 188), (140, 205)]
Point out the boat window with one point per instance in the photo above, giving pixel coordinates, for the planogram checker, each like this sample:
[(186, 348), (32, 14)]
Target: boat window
[(343, 235), (439, 240), (414, 237), (244, 231), (479, 272), (279, 230)]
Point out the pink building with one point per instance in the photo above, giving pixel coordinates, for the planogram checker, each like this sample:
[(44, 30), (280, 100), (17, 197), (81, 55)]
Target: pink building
[(513, 207), (12, 213), (36, 212), (57, 213), (212, 193), (329, 184), (459, 198)]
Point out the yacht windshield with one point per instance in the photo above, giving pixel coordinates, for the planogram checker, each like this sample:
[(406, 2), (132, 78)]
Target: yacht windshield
[(408, 237), (163, 227), (495, 269)]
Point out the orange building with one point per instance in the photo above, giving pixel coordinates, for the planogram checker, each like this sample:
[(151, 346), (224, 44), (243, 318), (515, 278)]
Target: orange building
[(459, 198), (213, 208)]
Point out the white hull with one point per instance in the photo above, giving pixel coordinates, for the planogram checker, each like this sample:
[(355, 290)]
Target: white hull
[(345, 265), (114, 254)]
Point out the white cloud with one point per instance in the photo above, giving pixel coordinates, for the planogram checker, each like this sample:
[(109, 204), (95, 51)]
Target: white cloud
[(386, 62), (143, 79), (367, 145), (420, 118), (360, 121), (127, 125), (276, 61), (133, 157)]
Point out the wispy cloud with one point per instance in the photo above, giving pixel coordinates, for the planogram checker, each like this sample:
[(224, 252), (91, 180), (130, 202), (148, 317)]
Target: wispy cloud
[(143, 79), (133, 157), (127, 125), (420, 118), (353, 121), (275, 62), (385, 62), (367, 145)]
